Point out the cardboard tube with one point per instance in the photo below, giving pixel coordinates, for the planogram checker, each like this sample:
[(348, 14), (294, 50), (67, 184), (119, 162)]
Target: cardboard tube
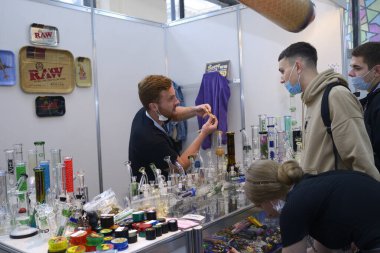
[(291, 15)]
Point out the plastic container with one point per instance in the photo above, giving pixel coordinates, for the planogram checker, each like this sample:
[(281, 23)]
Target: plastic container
[(58, 244), (76, 249), (78, 238)]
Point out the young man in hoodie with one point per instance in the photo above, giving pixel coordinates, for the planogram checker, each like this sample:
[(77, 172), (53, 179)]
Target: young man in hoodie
[(298, 68), (365, 75)]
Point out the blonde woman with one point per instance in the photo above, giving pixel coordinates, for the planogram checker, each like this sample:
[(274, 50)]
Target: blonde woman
[(336, 208)]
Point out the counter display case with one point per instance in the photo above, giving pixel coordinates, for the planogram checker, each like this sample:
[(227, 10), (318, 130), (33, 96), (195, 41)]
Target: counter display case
[(218, 213)]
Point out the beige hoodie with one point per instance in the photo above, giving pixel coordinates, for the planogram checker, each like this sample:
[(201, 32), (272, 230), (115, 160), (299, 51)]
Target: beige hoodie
[(348, 129)]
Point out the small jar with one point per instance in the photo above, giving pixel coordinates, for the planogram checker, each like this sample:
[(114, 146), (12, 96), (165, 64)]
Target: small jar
[(76, 249), (58, 244)]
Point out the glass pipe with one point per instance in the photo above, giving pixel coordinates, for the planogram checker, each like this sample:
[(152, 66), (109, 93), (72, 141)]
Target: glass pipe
[(231, 152), (255, 143), (246, 151)]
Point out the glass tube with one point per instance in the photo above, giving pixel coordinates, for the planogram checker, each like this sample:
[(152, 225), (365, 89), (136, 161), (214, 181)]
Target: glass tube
[(45, 166), (262, 122), (288, 129), (18, 152), (255, 143), (263, 145), (62, 184), (10, 159), (271, 143), (40, 185), (32, 161), (3, 192), (271, 121), (68, 161), (281, 137), (40, 148), (20, 171), (231, 151), (219, 150), (55, 155)]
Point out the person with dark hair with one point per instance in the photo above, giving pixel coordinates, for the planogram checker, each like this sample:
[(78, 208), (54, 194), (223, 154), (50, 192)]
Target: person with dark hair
[(149, 141), (365, 75), (353, 151), (337, 209)]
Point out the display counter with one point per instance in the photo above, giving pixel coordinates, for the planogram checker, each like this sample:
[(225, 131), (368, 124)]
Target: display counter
[(219, 211)]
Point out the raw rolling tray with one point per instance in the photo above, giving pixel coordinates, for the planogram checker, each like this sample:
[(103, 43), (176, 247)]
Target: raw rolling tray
[(46, 70)]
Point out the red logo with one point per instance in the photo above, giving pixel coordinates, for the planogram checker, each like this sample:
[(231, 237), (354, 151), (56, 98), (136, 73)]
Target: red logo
[(49, 73), (43, 35)]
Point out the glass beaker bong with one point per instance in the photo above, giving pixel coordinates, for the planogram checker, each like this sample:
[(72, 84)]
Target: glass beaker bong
[(176, 171), (219, 152), (5, 219), (231, 163)]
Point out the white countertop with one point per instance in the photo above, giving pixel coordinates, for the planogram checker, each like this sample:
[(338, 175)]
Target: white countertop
[(36, 244)]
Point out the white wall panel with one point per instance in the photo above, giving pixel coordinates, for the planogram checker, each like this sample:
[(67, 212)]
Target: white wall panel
[(126, 52), (74, 132)]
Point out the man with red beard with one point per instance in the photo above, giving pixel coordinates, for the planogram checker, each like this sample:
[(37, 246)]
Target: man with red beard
[(149, 141)]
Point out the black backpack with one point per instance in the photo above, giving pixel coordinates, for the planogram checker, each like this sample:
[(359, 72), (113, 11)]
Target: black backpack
[(325, 113)]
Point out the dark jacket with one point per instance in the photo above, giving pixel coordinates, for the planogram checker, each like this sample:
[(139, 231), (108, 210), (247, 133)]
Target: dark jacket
[(371, 106)]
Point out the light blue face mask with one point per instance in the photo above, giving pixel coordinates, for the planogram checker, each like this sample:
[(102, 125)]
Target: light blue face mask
[(359, 83), (293, 89)]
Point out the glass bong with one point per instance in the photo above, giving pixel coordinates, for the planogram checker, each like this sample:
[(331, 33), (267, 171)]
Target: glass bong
[(144, 182), (177, 175), (219, 152)]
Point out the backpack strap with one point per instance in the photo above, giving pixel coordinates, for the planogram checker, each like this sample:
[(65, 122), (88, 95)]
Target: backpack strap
[(325, 113)]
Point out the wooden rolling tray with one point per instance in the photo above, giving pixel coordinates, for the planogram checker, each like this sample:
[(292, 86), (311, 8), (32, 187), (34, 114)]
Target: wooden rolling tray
[(46, 70)]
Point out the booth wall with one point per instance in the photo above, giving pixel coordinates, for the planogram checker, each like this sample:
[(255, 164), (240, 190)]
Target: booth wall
[(193, 44), (75, 132), (263, 41), (126, 52)]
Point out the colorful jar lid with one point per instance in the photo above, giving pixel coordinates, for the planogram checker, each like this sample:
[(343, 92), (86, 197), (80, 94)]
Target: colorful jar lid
[(108, 239), (151, 215), (106, 220), (138, 216), (57, 244), (120, 243), (106, 231), (121, 232), (76, 249), (78, 237), (104, 247), (94, 239), (158, 229), (150, 234), (173, 225)]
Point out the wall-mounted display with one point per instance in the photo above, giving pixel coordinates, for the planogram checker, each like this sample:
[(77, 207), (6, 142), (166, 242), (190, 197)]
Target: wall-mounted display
[(7, 68), (44, 35), (48, 106), (220, 66), (45, 70), (83, 73)]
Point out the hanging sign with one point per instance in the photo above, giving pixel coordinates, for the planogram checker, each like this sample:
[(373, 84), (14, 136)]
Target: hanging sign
[(44, 35), (221, 67), (45, 70)]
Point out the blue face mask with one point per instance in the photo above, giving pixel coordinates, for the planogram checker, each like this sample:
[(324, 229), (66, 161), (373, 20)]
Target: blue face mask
[(293, 89), (359, 83)]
